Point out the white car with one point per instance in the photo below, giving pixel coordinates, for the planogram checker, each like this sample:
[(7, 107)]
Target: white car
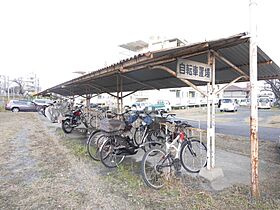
[(140, 106), (243, 102), (228, 104), (264, 103)]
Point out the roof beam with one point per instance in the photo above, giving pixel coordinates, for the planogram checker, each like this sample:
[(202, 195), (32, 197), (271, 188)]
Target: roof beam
[(100, 89), (229, 84), (240, 71), (191, 51), (170, 71), (247, 65), (137, 81), (183, 80), (130, 93), (194, 87), (168, 58)]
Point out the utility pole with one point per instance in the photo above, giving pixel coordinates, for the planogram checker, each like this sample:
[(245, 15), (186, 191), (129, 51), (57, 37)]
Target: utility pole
[(8, 87), (255, 192)]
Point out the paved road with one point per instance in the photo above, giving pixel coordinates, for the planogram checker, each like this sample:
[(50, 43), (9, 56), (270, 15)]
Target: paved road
[(238, 126)]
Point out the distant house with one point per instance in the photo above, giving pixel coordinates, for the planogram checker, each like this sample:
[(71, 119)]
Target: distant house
[(236, 92)]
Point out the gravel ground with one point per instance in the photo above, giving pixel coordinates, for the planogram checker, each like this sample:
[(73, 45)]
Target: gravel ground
[(41, 168)]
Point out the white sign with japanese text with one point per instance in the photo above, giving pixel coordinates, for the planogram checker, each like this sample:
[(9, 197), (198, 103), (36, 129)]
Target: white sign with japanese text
[(187, 69)]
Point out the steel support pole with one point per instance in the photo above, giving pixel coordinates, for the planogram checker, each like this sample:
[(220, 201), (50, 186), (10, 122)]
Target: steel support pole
[(8, 85), (213, 151), (88, 97), (208, 128), (118, 95), (254, 109), (121, 90)]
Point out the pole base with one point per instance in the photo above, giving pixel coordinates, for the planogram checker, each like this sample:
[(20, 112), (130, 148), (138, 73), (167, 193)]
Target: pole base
[(212, 174)]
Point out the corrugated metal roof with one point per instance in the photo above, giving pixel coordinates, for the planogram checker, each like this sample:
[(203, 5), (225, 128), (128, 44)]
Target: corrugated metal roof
[(139, 72)]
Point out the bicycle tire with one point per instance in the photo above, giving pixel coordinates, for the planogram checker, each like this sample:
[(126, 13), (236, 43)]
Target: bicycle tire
[(108, 155), (193, 155), (66, 126), (94, 143), (138, 135), (155, 139), (94, 121), (159, 163)]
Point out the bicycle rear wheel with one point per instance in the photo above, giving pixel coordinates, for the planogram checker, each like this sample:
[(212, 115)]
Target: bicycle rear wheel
[(94, 143), (139, 135), (193, 155), (109, 155), (94, 121), (67, 126), (155, 139), (155, 168)]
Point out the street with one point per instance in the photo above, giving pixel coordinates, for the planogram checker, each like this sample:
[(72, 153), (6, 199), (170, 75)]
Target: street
[(238, 123)]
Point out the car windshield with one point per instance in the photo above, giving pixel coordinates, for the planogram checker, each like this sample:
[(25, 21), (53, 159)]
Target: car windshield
[(265, 100), (226, 101), (39, 101)]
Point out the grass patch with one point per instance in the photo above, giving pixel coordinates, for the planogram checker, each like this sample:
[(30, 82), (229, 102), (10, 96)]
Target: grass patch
[(125, 181), (76, 148), (79, 150), (179, 195), (124, 175), (2, 108)]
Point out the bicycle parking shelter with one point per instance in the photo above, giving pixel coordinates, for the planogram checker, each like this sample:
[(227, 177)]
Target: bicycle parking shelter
[(222, 61)]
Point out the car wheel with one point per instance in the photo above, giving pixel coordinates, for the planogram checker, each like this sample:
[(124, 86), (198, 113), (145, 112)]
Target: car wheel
[(15, 109)]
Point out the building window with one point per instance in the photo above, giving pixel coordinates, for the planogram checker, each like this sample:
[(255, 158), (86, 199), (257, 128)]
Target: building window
[(192, 94), (178, 93)]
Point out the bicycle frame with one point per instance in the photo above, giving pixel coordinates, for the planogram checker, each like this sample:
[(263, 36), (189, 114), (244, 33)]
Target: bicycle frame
[(170, 146), (144, 137)]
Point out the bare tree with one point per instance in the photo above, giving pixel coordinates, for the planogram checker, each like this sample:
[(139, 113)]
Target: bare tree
[(275, 87), (20, 84)]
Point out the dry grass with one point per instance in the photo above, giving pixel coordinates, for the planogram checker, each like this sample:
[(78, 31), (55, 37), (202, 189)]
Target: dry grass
[(39, 172), (44, 169)]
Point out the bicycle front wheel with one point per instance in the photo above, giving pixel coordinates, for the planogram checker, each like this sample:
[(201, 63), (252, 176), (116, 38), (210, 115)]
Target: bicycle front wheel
[(139, 135), (110, 156), (155, 168), (193, 155), (94, 143)]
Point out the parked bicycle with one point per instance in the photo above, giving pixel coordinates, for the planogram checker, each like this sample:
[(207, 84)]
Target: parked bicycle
[(180, 150), (112, 128), (74, 119), (147, 133), (96, 138)]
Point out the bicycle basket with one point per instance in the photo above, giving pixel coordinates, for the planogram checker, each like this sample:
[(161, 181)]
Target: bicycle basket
[(137, 123), (111, 125), (148, 120), (132, 118)]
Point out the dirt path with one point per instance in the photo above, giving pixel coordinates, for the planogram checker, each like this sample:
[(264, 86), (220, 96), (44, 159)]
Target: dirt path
[(38, 172)]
